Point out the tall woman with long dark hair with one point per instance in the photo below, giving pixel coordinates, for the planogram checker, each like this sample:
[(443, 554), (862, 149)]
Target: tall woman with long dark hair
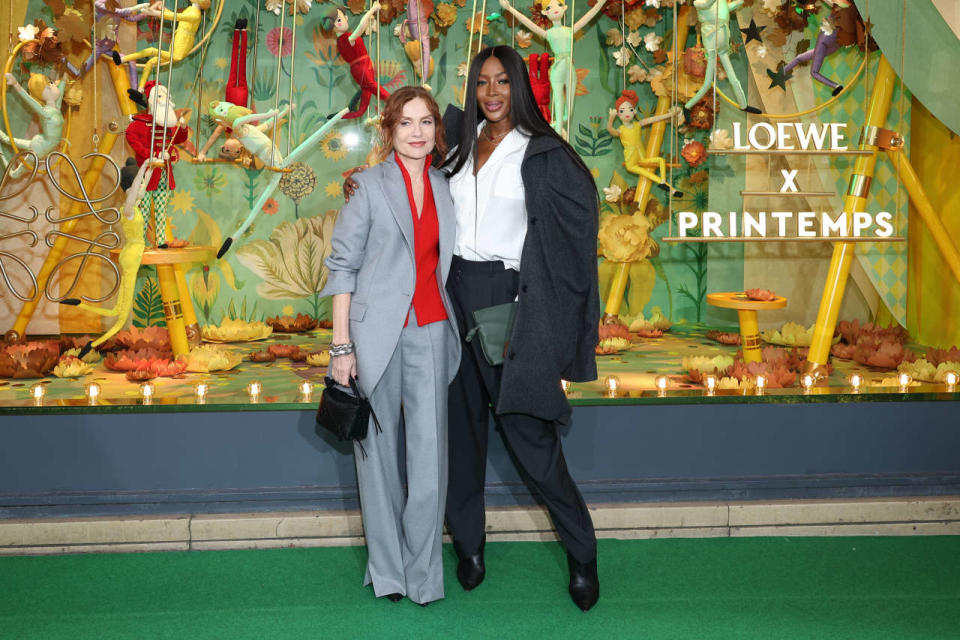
[(527, 217)]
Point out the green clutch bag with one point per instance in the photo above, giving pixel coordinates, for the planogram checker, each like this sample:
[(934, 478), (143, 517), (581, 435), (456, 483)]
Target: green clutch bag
[(492, 325)]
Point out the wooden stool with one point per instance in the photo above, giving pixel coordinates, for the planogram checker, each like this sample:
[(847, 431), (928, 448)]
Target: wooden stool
[(747, 312), (182, 322)]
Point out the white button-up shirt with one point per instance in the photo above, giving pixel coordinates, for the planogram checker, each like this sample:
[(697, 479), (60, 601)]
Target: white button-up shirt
[(490, 208)]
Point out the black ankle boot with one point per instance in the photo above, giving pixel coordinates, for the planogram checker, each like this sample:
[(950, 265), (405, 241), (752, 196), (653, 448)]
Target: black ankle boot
[(470, 568), (584, 582)]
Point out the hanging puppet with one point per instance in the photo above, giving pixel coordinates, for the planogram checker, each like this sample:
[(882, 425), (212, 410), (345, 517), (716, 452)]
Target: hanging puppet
[(354, 51), (827, 44), (153, 136), (184, 36), (132, 224), (108, 17), (237, 92), (560, 40), (539, 64), (714, 18), (254, 139), (44, 99), (418, 26), (635, 160)]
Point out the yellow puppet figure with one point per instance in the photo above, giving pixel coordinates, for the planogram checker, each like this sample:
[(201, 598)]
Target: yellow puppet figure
[(130, 257), (184, 37), (634, 158)]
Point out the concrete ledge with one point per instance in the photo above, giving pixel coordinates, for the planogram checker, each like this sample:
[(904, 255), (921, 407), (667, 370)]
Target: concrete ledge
[(914, 516)]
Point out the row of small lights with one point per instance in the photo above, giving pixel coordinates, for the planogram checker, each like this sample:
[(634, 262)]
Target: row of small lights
[(610, 383), (148, 390)]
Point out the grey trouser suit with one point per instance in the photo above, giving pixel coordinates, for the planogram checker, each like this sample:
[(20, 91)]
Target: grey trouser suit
[(398, 366)]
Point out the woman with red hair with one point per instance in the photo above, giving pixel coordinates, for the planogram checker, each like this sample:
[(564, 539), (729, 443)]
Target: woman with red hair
[(395, 335)]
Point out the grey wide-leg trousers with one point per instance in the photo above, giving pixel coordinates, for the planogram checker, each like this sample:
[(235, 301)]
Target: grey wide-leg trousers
[(403, 521)]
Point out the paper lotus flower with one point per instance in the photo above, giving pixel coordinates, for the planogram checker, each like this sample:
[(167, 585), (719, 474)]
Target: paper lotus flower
[(611, 346), (649, 333), (208, 357), (614, 330), (300, 355), (291, 261), (262, 356), (761, 295), (289, 324), (791, 334), (922, 369), (147, 338), (160, 363), (71, 367), (882, 354), (92, 357), (843, 351), (140, 375), (938, 356), (283, 350), (706, 364), (624, 238), (944, 368), (724, 337), (319, 359), (231, 330), (23, 360)]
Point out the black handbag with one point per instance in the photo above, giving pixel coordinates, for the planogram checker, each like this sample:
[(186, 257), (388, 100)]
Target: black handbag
[(492, 325), (345, 415)]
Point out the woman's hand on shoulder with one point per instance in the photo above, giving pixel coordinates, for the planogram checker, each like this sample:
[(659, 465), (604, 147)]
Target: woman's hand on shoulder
[(342, 368)]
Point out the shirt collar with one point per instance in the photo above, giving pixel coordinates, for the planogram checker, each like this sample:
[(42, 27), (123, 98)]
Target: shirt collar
[(426, 165)]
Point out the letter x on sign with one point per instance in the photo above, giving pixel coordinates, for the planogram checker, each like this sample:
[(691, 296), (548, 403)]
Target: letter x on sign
[(789, 177)]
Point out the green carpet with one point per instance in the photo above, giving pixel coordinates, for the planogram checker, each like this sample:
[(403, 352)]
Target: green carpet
[(755, 588)]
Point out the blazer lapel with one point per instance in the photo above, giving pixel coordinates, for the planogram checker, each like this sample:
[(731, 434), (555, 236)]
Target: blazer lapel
[(446, 220), (397, 201)]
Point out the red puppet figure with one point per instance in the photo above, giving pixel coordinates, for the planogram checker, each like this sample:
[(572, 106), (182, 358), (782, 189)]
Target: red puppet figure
[(540, 81), (237, 92), (153, 136), (354, 51)]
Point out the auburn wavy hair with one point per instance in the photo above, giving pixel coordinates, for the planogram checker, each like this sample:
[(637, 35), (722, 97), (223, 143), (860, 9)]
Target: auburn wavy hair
[(393, 112)]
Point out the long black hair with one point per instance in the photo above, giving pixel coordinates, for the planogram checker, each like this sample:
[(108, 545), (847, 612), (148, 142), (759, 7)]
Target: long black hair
[(524, 112)]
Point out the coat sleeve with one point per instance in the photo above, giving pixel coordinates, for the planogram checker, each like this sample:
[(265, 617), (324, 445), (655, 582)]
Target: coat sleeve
[(572, 229), (349, 241)]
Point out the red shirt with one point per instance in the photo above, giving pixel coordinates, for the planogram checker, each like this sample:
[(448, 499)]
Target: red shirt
[(427, 302)]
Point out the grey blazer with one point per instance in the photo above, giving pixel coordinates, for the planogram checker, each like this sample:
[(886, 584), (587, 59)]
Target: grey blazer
[(372, 257)]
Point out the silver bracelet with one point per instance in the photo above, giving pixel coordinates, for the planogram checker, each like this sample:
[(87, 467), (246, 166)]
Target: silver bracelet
[(341, 349)]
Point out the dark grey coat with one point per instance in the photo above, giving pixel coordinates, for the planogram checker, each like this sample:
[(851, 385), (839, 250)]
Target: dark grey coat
[(555, 332)]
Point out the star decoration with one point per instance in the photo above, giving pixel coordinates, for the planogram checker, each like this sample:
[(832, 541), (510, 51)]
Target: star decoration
[(778, 78), (753, 31)]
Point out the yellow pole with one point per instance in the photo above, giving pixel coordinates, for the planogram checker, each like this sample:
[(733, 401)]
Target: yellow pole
[(644, 184), (189, 313), (920, 200), (750, 335), (121, 83), (843, 252), (173, 309)]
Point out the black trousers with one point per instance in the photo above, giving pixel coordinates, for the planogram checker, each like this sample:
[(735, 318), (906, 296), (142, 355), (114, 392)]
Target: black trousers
[(533, 444)]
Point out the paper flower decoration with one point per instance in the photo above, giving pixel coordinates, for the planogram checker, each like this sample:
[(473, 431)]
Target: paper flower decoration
[(634, 39), (622, 56), (723, 337), (235, 331), (71, 367), (720, 139), (302, 6), (612, 193), (28, 32), (319, 359), (147, 338), (611, 346), (636, 73), (28, 359), (262, 356), (524, 39), (208, 357), (652, 41), (761, 295), (614, 37), (694, 153), (289, 324), (625, 238)]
